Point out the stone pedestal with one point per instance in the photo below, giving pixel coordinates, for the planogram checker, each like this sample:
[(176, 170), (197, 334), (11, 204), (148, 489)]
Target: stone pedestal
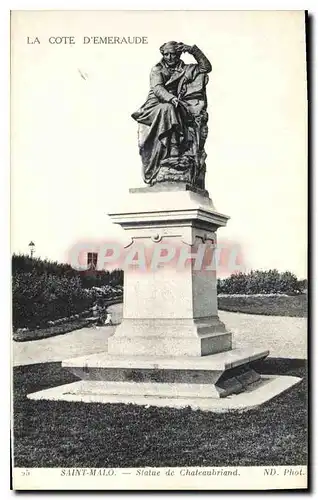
[(171, 349), (170, 308)]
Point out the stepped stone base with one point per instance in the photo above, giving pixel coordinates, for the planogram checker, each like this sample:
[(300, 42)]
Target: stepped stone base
[(216, 382), (165, 395), (224, 372), (167, 337)]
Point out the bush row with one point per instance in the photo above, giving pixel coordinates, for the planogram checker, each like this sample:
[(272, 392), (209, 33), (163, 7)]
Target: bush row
[(25, 264), (37, 299), (44, 291), (263, 282)]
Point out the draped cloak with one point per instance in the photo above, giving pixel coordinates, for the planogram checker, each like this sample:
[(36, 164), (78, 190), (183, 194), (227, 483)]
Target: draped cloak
[(159, 119)]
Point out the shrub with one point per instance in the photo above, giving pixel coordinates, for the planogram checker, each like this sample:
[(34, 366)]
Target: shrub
[(46, 291), (25, 264), (38, 299), (303, 284), (260, 282)]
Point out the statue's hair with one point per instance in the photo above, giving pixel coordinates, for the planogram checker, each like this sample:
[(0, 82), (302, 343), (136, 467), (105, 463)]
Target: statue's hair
[(175, 45)]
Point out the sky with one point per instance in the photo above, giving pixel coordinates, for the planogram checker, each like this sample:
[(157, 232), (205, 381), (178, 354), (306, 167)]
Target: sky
[(74, 144)]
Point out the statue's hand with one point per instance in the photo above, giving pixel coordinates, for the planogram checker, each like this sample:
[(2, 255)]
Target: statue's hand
[(175, 102), (185, 48)]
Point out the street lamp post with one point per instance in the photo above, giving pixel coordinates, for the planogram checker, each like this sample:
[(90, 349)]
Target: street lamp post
[(32, 248)]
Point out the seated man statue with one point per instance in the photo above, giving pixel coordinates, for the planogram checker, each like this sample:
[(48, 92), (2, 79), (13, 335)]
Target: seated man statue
[(173, 120)]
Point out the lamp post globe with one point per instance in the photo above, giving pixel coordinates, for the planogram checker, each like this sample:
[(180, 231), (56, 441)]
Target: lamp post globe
[(32, 248)]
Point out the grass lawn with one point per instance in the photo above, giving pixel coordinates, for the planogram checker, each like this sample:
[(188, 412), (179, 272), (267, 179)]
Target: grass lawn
[(62, 434), (277, 305)]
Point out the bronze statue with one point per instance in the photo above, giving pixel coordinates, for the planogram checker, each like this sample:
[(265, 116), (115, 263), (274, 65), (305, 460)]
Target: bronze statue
[(173, 121)]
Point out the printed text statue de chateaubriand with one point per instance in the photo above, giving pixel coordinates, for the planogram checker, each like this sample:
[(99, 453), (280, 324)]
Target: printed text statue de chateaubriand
[(173, 121)]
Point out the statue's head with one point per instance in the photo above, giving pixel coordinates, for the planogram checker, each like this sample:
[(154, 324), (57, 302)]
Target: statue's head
[(171, 53)]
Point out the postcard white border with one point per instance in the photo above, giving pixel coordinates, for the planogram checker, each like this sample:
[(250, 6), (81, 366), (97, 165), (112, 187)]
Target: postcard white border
[(162, 478), (5, 197)]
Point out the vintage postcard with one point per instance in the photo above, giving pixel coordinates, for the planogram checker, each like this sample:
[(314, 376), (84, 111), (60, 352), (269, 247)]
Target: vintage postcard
[(159, 250)]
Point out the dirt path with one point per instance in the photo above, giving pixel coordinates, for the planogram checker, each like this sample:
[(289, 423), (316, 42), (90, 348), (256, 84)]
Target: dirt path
[(285, 337)]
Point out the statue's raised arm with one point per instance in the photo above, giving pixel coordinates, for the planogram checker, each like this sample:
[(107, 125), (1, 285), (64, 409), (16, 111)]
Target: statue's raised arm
[(203, 62), (173, 120)]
